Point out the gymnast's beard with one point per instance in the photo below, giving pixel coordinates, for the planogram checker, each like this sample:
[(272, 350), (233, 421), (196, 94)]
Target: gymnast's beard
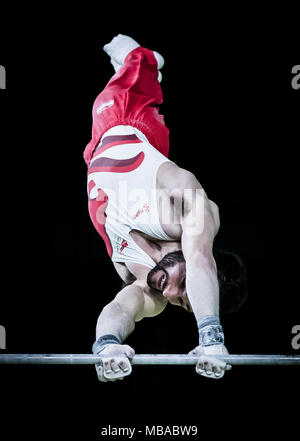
[(170, 259)]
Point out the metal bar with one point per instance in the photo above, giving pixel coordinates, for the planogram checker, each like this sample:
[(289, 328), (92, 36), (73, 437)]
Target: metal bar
[(148, 359)]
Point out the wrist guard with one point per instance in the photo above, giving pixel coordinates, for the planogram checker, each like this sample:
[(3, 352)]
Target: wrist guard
[(210, 331), (103, 341)]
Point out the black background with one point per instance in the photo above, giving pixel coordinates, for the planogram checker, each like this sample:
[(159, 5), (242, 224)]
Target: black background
[(234, 121)]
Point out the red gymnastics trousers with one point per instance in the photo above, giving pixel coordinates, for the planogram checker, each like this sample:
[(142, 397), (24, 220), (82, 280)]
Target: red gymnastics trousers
[(131, 97)]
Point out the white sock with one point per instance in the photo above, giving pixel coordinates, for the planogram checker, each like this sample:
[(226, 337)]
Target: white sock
[(115, 65), (160, 60), (119, 48), (121, 45)]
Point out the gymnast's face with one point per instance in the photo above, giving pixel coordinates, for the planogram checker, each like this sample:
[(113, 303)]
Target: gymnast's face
[(170, 281)]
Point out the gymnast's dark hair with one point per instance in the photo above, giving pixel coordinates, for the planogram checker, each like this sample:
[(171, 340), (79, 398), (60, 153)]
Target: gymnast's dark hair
[(232, 277), (233, 281)]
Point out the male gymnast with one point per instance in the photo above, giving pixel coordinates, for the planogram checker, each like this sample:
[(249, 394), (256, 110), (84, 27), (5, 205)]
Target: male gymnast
[(155, 218)]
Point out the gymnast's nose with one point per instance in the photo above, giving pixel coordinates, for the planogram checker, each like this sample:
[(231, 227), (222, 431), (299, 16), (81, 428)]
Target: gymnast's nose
[(170, 292)]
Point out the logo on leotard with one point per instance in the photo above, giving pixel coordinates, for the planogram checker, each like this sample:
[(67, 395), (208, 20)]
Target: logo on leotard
[(104, 106), (144, 209), (124, 244)]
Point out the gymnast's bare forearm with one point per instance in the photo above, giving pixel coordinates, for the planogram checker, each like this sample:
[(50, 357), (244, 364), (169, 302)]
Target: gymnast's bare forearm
[(114, 320), (119, 316), (200, 224), (202, 286)]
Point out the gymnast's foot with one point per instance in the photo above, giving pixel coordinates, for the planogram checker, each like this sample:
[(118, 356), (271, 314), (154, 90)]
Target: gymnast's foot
[(119, 48)]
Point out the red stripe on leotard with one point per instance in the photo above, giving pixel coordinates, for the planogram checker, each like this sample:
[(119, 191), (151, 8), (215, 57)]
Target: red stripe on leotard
[(116, 165), (97, 209)]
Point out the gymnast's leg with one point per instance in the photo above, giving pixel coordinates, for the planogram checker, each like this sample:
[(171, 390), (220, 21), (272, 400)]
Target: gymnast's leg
[(132, 96)]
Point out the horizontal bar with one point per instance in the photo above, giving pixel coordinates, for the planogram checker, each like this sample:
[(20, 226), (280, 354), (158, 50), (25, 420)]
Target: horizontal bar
[(148, 359)]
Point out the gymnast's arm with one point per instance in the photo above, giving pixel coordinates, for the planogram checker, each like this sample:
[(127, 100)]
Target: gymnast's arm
[(116, 322), (200, 223), (130, 305)]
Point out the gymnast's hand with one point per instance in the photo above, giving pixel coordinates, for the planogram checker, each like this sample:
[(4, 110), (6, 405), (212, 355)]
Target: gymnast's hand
[(207, 365), (116, 362)]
